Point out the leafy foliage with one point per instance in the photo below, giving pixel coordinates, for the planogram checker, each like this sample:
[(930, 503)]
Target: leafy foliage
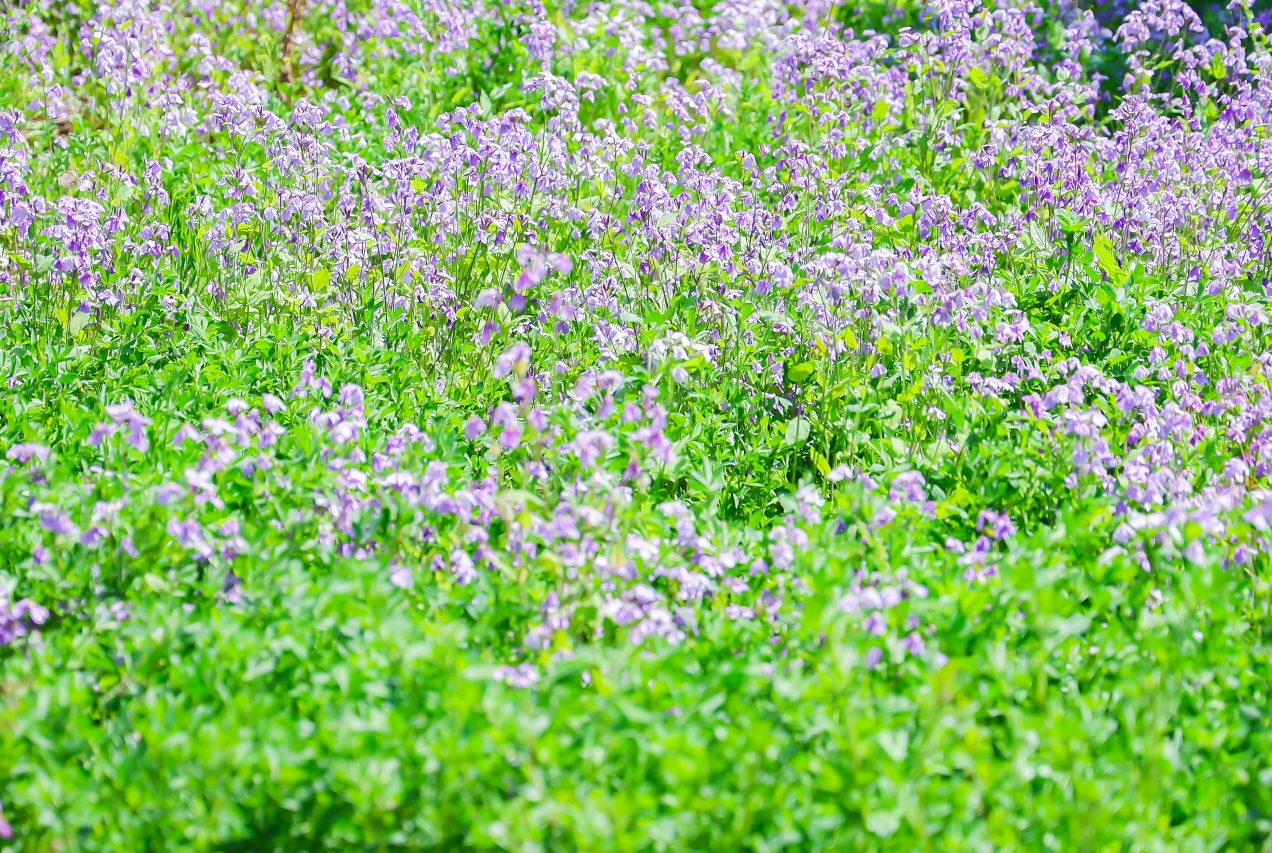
[(711, 426)]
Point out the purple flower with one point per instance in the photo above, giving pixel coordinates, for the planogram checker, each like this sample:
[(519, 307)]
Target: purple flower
[(137, 438), (55, 521), (24, 453), (186, 433), (124, 414), (999, 524), (591, 445), (189, 535), (29, 609), (782, 553), (351, 395), (883, 518), (914, 644), (908, 486), (120, 412), (100, 433), (474, 428), (515, 359), (661, 449), (93, 536), (462, 568), (306, 379), (524, 391), (401, 576), (519, 677), (167, 493), (270, 434), (560, 263), (232, 588), (510, 437), (504, 414)]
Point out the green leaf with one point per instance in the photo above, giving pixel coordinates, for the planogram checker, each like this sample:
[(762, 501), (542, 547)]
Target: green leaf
[(797, 430), (895, 743), (259, 668), (320, 279), (884, 824), (1104, 253), (891, 413), (155, 582), (1217, 68), (1062, 629), (822, 464), (79, 321), (799, 372)]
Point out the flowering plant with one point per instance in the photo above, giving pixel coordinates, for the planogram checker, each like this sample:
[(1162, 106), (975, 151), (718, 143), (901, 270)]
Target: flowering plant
[(612, 425)]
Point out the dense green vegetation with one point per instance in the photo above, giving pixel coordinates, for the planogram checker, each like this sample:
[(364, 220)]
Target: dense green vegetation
[(611, 426)]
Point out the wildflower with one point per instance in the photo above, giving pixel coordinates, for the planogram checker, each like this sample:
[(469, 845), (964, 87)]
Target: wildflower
[(518, 677), (462, 568), (514, 360), (474, 428), (914, 644), (24, 453), (401, 576), (55, 521)]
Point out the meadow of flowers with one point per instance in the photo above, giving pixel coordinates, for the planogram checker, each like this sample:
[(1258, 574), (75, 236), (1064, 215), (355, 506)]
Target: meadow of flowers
[(700, 425)]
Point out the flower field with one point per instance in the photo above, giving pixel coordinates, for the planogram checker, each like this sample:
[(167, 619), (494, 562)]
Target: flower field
[(609, 425)]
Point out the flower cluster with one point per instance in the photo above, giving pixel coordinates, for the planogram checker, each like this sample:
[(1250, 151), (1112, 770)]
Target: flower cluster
[(628, 326)]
